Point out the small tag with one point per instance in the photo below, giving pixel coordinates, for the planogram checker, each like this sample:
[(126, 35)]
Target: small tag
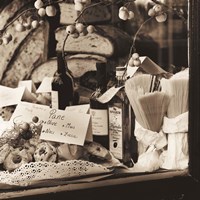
[(109, 94), (28, 84), (45, 86)]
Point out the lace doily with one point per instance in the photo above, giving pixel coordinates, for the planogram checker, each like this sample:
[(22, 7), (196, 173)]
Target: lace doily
[(37, 171)]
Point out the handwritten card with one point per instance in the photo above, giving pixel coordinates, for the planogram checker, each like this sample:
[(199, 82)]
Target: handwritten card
[(65, 127), (58, 125), (82, 109)]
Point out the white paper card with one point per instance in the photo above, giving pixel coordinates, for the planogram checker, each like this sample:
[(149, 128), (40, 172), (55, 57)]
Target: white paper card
[(28, 84), (65, 127), (109, 94), (82, 109), (10, 96), (58, 125), (131, 71), (45, 85), (78, 108), (4, 125)]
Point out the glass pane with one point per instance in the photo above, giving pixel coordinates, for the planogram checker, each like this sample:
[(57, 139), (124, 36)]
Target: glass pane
[(147, 39)]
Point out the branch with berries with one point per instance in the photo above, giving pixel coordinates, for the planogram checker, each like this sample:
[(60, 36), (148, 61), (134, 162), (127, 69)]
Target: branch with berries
[(33, 17)]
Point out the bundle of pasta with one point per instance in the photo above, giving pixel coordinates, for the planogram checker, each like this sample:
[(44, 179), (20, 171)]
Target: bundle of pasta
[(150, 106), (176, 122)]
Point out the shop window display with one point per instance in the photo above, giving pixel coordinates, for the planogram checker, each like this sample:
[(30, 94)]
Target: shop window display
[(145, 38)]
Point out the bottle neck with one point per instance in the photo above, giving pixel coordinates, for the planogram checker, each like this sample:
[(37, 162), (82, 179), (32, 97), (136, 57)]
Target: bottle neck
[(120, 76), (61, 69), (101, 77)]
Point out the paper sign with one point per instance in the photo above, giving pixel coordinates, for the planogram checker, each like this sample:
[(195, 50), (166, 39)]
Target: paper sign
[(45, 85), (28, 84), (4, 125), (65, 127), (151, 67), (28, 96), (12, 96), (109, 94), (78, 108), (82, 109), (131, 71), (58, 125)]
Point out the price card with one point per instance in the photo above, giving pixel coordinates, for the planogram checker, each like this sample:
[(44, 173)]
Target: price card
[(58, 125), (82, 109), (67, 127)]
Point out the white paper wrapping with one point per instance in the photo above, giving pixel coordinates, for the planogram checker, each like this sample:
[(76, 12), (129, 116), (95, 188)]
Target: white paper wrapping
[(147, 137), (176, 156), (178, 124), (149, 161)]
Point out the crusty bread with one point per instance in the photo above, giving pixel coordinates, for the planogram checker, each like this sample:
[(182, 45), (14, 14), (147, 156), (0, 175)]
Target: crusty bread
[(45, 69), (107, 41), (10, 10), (78, 64), (27, 50), (93, 15)]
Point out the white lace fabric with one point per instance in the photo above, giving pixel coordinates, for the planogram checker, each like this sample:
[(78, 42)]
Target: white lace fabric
[(30, 173)]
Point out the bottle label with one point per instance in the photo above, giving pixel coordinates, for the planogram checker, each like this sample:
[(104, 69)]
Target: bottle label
[(115, 132), (99, 121)]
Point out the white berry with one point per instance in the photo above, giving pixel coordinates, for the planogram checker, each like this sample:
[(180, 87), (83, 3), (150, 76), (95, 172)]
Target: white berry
[(70, 29), (38, 4), (161, 18), (19, 27)]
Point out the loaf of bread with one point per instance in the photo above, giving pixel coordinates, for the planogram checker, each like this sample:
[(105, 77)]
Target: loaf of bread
[(78, 64), (98, 14), (107, 41), (27, 50), (45, 69), (10, 9)]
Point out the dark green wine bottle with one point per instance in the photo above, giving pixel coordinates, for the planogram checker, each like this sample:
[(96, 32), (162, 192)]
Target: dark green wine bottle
[(63, 83), (99, 111)]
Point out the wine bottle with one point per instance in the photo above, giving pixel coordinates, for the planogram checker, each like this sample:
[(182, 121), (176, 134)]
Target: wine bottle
[(121, 123), (62, 83), (99, 111)]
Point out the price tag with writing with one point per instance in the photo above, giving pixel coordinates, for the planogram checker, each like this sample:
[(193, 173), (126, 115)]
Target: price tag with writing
[(67, 127), (57, 125)]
